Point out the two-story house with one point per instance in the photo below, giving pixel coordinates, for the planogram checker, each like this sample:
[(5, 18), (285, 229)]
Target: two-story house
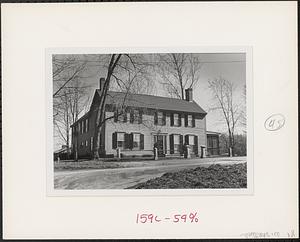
[(149, 121)]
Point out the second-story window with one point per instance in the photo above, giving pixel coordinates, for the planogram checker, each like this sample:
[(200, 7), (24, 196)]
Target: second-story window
[(122, 117), (176, 119), (135, 116), (160, 118), (190, 120)]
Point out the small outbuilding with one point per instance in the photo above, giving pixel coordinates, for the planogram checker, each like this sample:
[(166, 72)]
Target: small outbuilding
[(213, 144)]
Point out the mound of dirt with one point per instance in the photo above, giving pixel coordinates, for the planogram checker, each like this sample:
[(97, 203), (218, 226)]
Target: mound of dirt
[(214, 176)]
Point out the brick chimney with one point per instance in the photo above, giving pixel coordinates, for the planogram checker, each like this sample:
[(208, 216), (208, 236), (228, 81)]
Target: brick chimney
[(189, 94), (101, 83)]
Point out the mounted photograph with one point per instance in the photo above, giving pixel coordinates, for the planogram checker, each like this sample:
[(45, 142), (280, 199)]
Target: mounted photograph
[(136, 121)]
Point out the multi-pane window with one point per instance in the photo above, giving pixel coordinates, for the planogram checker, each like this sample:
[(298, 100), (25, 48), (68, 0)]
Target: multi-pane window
[(176, 119), (86, 143), (127, 140), (122, 117), (191, 139), (135, 116), (120, 140), (160, 118), (136, 141), (176, 143), (190, 120)]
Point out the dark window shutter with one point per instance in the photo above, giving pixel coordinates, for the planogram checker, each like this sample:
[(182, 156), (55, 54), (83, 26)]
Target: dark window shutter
[(172, 119), (193, 120), (125, 117), (131, 117), (171, 144), (164, 118), (181, 143), (140, 117), (116, 116), (127, 141), (142, 141), (130, 141), (196, 144), (179, 121), (185, 120), (155, 118), (186, 139), (114, 140)]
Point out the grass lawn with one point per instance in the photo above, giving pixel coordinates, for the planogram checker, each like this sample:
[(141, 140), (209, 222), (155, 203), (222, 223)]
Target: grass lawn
[(107, 163), (83, 165), (214, 176)]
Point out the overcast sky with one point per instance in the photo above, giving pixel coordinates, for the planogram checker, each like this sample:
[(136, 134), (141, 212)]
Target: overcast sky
[(231, 66)]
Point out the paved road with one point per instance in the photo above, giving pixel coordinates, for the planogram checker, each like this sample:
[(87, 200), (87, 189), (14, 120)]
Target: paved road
[(120, 178)]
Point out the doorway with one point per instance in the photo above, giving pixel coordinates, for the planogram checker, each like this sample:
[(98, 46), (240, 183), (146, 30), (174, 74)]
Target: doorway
[(160, 141)]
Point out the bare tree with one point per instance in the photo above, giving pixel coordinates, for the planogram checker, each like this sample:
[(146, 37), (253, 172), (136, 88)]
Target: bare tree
[(126, 73), (243, 120), (66, 68), (67, 107), (178, 72), (69, 92), (223, 93)]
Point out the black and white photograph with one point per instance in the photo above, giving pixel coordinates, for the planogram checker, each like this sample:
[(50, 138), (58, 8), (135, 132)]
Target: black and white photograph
[(149, 121)]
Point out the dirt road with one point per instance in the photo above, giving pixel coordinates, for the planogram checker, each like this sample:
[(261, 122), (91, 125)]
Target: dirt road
[(120, 178)]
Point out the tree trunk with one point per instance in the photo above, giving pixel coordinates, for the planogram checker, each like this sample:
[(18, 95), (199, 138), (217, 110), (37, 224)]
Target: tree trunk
[(76, 147), (230, 143), (98, 130), (68, 141), (97, 142)]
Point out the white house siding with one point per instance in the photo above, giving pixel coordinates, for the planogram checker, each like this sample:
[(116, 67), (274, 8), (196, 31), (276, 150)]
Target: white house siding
[(147, 128)]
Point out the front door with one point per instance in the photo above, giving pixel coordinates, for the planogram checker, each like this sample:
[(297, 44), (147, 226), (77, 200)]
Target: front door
[(160, 142)]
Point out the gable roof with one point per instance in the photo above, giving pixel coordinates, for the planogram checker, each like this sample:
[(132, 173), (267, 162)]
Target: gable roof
[(153, 102), (148, 101)]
